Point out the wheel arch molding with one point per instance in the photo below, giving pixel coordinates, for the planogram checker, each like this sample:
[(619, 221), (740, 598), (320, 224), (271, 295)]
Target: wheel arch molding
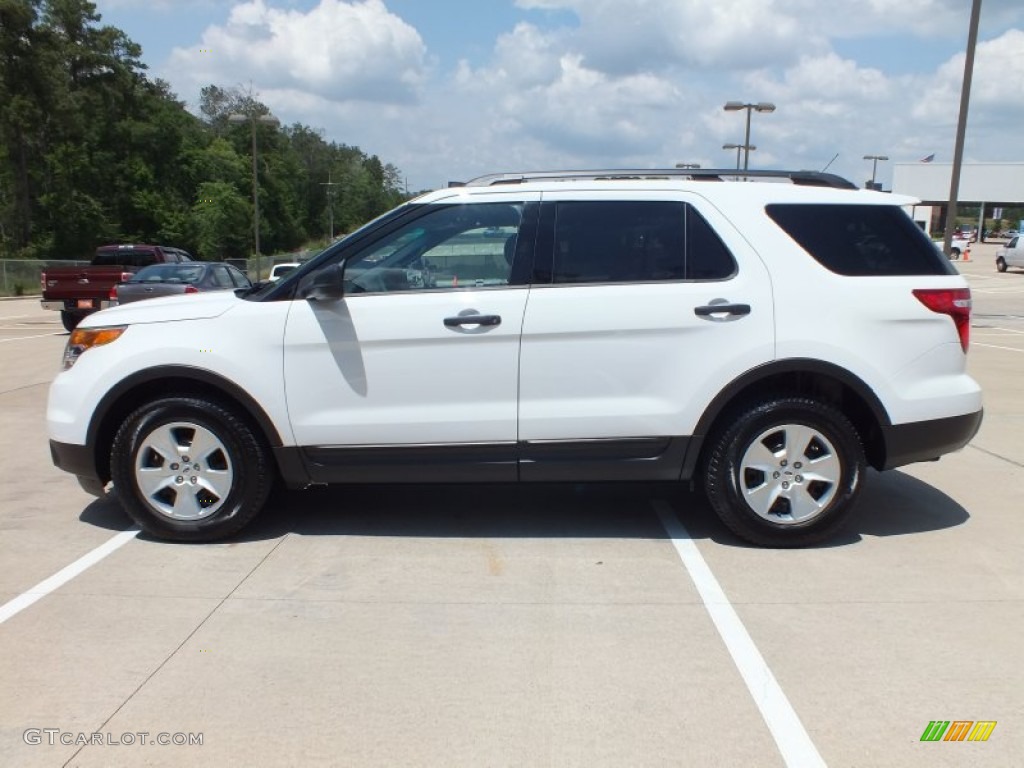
[(797, 376), (161, 381)]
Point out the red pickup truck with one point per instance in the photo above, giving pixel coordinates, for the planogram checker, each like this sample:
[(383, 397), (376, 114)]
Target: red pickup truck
[(79, 291)]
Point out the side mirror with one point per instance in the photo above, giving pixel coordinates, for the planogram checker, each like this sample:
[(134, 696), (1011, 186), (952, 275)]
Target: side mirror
[(328, 284)]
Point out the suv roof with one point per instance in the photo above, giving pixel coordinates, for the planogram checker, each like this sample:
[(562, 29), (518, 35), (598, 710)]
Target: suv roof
[(802, 178), (718, 185)]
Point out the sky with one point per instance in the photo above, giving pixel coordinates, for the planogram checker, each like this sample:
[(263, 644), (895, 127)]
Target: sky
[(452, 89)]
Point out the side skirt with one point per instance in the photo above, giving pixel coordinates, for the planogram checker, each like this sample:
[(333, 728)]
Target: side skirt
[(610, 460)]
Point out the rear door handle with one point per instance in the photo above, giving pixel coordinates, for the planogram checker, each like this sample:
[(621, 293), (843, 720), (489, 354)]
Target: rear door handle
[(453, 322), (709, 310)]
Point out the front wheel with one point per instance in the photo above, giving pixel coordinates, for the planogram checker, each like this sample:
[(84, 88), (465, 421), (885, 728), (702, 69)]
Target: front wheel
[(785, 472), (1001, 264), (189, 469)]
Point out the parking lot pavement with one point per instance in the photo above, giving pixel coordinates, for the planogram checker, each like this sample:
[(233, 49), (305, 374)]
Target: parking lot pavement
[(504, 626)]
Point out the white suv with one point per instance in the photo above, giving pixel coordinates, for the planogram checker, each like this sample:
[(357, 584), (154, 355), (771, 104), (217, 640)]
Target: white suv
[(768, 335)]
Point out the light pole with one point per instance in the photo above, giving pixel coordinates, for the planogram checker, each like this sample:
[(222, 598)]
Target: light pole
[(874, 167), (252, 119), (330, 198), (739, 148), (961, 128), (736, 106)]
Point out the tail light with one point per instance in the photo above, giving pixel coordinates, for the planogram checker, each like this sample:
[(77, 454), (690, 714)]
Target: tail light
[(125, 277), (112, 295), (191, 289), (42, 281), (955, 302)]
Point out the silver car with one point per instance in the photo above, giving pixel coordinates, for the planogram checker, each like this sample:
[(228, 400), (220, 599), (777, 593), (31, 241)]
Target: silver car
[(170, 279)]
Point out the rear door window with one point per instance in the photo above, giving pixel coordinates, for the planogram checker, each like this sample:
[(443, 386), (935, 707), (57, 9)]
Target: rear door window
[(617, 241), (861, 240)]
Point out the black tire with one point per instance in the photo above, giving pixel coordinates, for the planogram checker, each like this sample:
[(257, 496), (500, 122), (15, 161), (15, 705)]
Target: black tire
[(70, 320), (1001, 264), (236, 468), (833, 441), (954, 254)]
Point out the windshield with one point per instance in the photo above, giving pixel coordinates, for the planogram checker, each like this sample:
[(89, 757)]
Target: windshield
[(168, 273), (123, 257)]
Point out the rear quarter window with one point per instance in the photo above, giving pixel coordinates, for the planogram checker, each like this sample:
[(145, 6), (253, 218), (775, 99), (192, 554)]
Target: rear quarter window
[(861, 240)]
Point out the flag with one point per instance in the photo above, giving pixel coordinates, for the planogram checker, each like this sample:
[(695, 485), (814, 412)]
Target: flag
[(929, 158)]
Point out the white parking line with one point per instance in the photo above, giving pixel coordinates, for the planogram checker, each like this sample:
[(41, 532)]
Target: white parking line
[(994, 346), (794, 744), (22, 338), (64, 575)]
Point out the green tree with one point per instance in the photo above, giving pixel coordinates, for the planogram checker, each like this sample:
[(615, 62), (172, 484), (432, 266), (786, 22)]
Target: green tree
[(221, 218)]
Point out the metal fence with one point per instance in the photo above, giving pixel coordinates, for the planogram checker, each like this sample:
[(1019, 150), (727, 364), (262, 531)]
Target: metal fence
[(20, 277)]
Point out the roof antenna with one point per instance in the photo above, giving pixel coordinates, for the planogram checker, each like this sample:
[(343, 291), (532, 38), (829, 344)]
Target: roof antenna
[(830, 162)]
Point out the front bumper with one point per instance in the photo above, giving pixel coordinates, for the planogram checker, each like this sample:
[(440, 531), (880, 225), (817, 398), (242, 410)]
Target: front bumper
[(77, 459), (928, 440)]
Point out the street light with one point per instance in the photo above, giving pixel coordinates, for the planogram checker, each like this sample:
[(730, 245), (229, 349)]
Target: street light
[(736, 106), (874, 167), (252, 119), (739, 148)]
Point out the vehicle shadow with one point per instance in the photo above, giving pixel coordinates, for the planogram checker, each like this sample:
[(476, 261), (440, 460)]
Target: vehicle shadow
[(891, 504)]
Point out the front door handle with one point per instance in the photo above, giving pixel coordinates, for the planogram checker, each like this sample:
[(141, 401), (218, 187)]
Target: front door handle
[(709, 310), (453, 322)]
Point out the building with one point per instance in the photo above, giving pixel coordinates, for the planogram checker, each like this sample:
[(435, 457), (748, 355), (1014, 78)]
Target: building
[(991, 185)]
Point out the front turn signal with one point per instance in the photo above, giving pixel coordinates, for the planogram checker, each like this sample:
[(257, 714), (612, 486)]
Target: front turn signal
[(83, 339)]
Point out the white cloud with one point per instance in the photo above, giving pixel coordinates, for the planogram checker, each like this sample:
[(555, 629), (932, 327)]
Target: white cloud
[(640, 86), (337, 50), (997, 82)]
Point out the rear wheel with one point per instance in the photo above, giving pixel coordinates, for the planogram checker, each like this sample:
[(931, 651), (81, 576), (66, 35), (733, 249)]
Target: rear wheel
[(190, 469), (785, 472), (70, 320), (1001, 264)]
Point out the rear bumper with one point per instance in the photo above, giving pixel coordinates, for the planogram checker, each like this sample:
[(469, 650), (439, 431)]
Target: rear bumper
[(71, 305), (928, 440)]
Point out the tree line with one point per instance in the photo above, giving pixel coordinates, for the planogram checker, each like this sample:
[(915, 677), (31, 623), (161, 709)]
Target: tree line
[(93, 151)]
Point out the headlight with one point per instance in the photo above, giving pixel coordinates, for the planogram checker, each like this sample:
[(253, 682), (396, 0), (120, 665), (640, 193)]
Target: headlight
[(87, 338)]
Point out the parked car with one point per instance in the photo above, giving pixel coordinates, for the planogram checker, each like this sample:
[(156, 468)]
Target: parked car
[(76, 292), (957, 247), (280, 270), (629, 325), (1011, 256), (172, 279)]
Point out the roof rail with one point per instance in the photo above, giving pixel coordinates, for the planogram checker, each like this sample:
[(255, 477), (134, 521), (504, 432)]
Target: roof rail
[(803, 178)]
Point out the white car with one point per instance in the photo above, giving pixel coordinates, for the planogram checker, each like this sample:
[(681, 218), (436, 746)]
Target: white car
[(957, 246), (1010, 256), (766, 340)]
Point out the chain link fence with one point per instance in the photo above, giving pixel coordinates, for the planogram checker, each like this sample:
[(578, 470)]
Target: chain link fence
[(20, 277)]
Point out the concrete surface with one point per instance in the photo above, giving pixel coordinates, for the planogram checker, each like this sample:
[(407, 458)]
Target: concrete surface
[(504, 626)]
